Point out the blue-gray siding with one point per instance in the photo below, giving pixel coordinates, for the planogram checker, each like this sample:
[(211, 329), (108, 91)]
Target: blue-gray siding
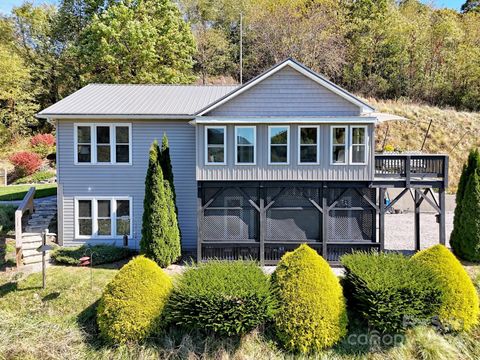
[(293, 171), (128, 180), (287, 93)]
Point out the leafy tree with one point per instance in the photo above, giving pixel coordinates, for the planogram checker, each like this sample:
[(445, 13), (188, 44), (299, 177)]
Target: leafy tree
[(160, 236), (142, 41), (469, 169), (467, 243), (471, 6)]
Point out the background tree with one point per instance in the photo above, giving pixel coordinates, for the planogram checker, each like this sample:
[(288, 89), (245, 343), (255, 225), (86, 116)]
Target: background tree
[(143, 41), (471, 6), (160, 236)]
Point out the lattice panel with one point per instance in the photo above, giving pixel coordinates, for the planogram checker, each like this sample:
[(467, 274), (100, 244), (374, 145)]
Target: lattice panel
[(230, 224), (230, 252), (351, 198), (293, 225), (334, 252), (274, 252), (347, 225)]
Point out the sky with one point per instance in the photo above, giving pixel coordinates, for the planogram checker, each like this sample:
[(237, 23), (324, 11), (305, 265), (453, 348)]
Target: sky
[(7, 5)]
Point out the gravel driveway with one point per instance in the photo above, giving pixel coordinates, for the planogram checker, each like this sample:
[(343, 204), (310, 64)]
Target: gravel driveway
[(399, 230)]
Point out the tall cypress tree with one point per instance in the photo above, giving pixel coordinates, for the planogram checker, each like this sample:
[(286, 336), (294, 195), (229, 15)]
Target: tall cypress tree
[(160, 237), (473, 163), (467, 245)]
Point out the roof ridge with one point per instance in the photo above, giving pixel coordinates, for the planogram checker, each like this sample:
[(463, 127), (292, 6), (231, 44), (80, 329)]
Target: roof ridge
[(172, 85)]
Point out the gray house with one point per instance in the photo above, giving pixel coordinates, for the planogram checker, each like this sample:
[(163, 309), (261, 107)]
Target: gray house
[(284, 159)]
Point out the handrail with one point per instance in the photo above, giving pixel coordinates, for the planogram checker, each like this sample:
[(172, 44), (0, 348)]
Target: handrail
[(27, 204)]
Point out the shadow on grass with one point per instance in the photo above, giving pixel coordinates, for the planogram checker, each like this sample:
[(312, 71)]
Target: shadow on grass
[(13, 286)]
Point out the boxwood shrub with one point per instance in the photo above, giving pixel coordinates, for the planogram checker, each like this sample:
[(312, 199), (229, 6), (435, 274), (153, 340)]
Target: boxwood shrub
[(131, 305), (102, 254), (311, 308), (227, 298), (460, 306), (390, 292)]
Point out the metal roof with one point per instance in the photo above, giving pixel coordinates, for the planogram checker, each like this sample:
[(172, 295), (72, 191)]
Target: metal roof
[(105, 100)]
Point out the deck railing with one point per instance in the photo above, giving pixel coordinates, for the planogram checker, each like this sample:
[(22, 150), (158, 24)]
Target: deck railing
[(27, 204), (411, 167)]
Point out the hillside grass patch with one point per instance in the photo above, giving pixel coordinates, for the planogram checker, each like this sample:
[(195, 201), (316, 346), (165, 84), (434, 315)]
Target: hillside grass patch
[(18, 192)]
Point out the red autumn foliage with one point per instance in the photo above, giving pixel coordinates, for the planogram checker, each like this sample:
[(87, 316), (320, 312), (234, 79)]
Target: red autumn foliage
[(25, 162), (42, 139)]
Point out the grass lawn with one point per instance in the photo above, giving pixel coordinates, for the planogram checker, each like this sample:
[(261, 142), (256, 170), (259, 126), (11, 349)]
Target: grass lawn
[(17, 192), (59, 323)]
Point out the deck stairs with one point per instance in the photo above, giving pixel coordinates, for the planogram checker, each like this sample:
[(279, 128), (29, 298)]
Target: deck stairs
[(45, 211)]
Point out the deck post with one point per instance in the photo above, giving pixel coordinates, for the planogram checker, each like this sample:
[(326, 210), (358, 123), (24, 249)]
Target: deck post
[(263, 223), (200, 222), (325, 216), (417, 219), (441, 223), (381, 219)]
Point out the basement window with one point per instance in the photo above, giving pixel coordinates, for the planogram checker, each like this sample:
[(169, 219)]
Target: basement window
[(103, 217)]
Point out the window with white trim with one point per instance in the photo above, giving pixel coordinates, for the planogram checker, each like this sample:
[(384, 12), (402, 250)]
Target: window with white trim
[(245, 147), (103, 217), (215, 141), (103, 143), (358, 141), (308, 145), (338, 149), (278, 145)]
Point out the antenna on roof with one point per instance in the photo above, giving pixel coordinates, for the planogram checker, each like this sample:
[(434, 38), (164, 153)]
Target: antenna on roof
[(241, 48)]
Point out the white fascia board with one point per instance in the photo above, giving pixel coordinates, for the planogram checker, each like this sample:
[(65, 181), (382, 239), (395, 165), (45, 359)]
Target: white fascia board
[(114, 116), (365, 108), (285, 120)]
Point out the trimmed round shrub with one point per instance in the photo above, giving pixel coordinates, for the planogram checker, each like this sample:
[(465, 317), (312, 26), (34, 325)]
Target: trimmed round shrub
[(131, 306), (311, 308), (389, 291), (25, 162), (460, 306), (227, 298)]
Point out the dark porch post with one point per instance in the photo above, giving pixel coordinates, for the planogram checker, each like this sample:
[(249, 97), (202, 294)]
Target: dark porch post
[(325, 221), (441, 223), (417, 220), (200, 222), (263, 223), (381, 219)]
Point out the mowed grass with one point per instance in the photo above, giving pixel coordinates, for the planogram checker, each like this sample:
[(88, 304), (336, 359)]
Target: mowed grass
[(452, 132), (18, 192), (59, 323)]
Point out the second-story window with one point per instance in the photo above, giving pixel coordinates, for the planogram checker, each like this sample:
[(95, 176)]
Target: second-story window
[(358, 141), (103, 143), (278, 145), (339, 145), (245, 145), (215, 140), (308, 144)]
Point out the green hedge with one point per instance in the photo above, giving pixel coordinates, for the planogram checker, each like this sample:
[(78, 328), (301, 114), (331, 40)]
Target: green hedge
[(131, 306), (389, 291), (460, 306), (102, 254), (312, 314), (226, 298), (7, 218)]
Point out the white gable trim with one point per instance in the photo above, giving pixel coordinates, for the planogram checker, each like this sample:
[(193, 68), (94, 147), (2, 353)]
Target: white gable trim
[(309, 74)]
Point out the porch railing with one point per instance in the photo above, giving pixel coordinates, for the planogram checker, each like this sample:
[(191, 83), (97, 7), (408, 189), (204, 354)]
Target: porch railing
[(27, 205), (411, 167)]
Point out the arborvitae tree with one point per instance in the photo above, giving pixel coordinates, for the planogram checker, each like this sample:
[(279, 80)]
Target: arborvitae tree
[(473, 163), (160, 236), (467, 242), (166, 163)]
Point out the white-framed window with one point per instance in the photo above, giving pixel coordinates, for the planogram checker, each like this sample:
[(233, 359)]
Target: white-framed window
[(103, 217), (339, 145), (308, 145), (103, 144), (245, 145), (215, 145), (278, 145), (358, 145)]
